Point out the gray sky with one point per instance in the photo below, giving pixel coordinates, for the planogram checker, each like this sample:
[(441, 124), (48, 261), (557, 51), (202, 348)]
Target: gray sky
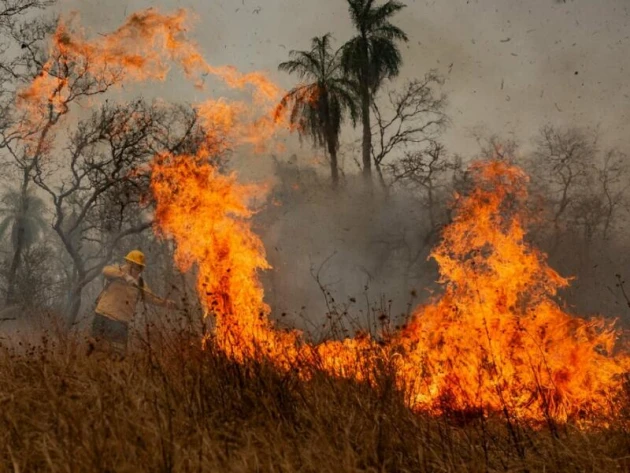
[(535, 47)]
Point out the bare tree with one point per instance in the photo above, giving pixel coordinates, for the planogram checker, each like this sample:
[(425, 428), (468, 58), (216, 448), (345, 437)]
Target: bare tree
[(564, 166), (613, 177), (427, 170), (432, 173), (413, 117), (495, 147), (29, 121), (99, 186), (18, 31)]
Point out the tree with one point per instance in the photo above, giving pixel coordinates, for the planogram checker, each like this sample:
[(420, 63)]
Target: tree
[(371, 57), (318, 106), (23, 216), (416, 117), (19, 32), (30, 116), (100, 187), (427, 171), (586, 187), (562, 163)]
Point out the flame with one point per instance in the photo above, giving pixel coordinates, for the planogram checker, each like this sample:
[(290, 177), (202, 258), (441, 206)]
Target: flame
[(206, 212), (496, 340), (142, 49)]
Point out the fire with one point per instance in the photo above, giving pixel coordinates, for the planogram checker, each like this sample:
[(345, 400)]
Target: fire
[(142, 49), (206, 212), (495, 340)]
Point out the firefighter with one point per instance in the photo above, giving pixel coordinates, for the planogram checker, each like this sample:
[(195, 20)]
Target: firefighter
[(116, 305)]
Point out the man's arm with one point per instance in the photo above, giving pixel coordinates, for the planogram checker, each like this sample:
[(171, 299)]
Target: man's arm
[(154, 299), (113, 272)]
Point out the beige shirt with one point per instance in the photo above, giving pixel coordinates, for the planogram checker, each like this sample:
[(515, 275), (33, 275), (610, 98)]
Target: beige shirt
[(119, 299)]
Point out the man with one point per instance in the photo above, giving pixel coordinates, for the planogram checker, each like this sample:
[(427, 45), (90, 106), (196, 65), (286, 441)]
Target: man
[(116, 305)]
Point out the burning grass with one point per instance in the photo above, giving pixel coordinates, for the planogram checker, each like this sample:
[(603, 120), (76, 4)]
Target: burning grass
[(172, 406), (495, 340)]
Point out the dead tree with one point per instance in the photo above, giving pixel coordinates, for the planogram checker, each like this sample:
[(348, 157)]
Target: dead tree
[(28, 127), (413, 117), (426, 170), (430, 172), (99, 185)]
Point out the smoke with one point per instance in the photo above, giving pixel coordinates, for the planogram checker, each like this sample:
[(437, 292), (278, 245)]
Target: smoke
[(353, 250), (510, 65)]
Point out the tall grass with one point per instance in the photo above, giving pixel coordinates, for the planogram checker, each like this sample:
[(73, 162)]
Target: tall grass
[(173, 407)]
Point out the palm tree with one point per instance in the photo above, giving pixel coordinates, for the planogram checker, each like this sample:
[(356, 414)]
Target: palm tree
[(371, 57), (23, 214), (318, 106)]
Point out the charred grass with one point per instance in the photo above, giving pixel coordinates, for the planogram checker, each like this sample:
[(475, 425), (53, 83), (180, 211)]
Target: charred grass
[(172, 407)]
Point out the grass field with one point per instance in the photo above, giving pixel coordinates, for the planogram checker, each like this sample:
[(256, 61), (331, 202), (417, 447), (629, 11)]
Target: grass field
[(172, 407)]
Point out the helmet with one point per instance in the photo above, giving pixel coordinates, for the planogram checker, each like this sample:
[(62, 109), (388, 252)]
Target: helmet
[(135, 256)]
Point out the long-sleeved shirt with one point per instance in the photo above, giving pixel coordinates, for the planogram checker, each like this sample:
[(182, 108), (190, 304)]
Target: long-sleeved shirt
[(119, 299)]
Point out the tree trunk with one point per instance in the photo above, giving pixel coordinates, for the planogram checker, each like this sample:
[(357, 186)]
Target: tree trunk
[(73, 306), (381, 178), (15, 264), (367, 132), (334, 165), (331, 139), (19, 241)]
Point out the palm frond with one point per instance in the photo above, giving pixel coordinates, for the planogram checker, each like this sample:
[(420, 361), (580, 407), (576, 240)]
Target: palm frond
[(381, 15), (352, 56), (318, 107), (304, 64), (375, 43), (391, 33), (24, 212)]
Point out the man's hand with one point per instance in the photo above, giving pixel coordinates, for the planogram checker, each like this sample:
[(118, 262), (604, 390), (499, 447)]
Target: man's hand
[(130, 279)]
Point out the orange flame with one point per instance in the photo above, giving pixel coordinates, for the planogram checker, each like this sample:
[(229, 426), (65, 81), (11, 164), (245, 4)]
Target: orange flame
[(143, 48), (496, 340)]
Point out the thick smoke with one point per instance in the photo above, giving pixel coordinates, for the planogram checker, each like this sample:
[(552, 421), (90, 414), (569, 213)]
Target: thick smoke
[(355, 253)]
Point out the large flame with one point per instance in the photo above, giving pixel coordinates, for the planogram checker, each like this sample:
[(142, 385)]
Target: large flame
[(495, 340)]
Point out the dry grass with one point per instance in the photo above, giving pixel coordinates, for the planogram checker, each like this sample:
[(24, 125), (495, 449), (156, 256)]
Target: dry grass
[(173, 407)]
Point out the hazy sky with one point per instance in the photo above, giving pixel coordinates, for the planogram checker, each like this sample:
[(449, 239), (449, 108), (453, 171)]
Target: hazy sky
[(564, 63), (560, 63)]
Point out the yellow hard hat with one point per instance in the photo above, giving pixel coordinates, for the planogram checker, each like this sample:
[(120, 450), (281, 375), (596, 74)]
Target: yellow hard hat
[(135, 256)]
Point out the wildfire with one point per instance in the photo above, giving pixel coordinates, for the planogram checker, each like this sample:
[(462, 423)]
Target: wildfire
[(495, 340)]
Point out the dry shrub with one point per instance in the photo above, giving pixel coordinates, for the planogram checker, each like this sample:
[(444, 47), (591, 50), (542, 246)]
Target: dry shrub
[(173, 407)]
